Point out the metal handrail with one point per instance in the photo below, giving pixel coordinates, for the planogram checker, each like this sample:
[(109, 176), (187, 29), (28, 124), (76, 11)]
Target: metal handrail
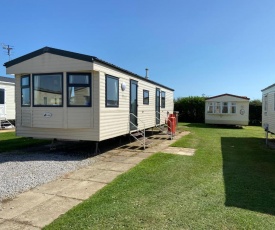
[(143, 132)]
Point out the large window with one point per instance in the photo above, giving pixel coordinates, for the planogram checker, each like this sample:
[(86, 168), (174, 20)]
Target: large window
[(145, 97), (162, 99), (25, 91), (111, 93), (2, 96), (221, 107), (79, 89), (48, 89)]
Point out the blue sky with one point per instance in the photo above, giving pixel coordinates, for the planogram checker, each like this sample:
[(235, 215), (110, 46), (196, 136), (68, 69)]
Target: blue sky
[(195, 47)]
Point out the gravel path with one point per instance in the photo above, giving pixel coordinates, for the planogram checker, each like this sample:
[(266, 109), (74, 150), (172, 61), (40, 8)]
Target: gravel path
[(20, 172)]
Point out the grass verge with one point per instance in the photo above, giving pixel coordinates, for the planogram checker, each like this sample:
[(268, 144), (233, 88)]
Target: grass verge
[(228, 184), (9, 142)]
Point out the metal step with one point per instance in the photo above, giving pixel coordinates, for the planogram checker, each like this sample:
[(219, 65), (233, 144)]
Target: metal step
[(5, 124), (147, 141), (137, 134)]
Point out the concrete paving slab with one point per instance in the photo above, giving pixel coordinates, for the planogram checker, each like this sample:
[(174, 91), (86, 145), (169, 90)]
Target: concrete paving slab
[(116, 158), (22, 203), (103, 165), (105, 176), (126, 153), (48, 211), (81, 190), (121, 167), (84, 174), (144, 154), (55, 186), (133, 160), (8, 225)]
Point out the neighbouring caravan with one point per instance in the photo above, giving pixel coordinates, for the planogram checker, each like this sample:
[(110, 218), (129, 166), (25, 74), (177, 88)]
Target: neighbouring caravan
[(268, 108), (67, 95), (7, 101), (227, 109)]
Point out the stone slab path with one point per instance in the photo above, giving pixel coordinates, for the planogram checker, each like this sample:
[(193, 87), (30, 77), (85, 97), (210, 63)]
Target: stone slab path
[(38, 207)]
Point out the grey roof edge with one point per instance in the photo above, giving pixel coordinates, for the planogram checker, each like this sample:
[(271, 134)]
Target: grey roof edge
[(268, 87), (52, 51), (78, 56), (227, 94), (7, 79)]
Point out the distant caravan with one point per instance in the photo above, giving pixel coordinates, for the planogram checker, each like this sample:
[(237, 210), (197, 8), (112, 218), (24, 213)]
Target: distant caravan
[(227, 109)]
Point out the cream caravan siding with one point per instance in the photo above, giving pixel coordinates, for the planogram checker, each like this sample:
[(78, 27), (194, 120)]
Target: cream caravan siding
[(115, 121), (49, 63), (268, 112), (72, 123), (238, 118), (9, 99)]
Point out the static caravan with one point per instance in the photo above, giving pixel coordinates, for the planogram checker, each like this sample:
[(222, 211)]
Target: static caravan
[(7, 101), (227, 109), (268, 108), (67, 95)]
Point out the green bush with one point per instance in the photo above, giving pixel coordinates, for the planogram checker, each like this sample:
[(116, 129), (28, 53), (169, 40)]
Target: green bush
[(255, 112), (191, 109)]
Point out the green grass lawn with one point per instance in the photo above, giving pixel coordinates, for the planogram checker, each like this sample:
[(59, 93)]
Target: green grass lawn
[(9, 142), (228, 184)]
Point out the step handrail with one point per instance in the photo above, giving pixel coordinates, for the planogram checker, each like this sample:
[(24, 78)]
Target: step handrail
[(143, 132)]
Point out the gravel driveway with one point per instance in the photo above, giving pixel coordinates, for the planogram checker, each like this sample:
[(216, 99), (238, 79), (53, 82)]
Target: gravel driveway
[(21, 171)]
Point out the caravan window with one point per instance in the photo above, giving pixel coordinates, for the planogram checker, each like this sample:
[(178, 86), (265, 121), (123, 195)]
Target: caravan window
[(265, 103), (145, 97), (79, 89), (218, 107), (111, 91), (233, 107), (25, 91), (2, 96), (210, 108), (162, 99), (48, 89), (225, 107)]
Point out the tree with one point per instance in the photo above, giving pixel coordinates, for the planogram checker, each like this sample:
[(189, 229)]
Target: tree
[(255, 112)]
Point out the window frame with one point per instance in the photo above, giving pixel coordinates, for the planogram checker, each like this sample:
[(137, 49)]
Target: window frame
[(107, 76), (144, 98), (265, 103), (2, 89), (89, 84), (162, 99), (225, 104), (25, 87), (212, 105), (233, 105), (62, 89)]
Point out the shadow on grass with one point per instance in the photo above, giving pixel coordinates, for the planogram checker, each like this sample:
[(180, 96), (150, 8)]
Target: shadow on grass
[(211, 126), (249, 174)]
